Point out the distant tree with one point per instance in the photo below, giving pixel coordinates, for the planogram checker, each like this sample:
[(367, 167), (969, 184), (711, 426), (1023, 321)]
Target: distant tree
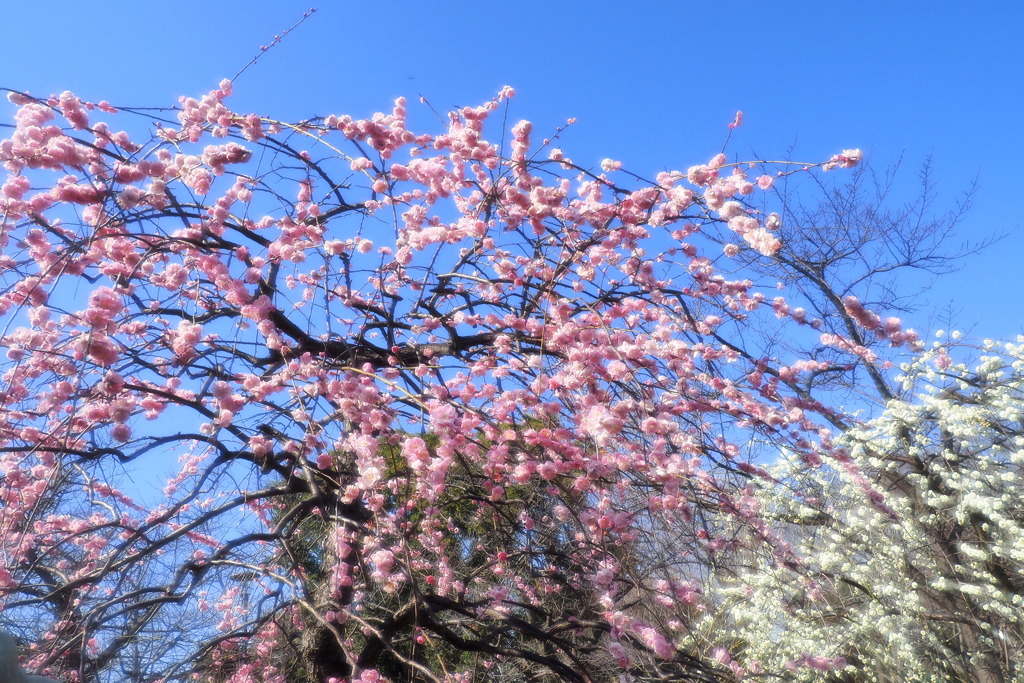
[(427, 394), (854, 235)]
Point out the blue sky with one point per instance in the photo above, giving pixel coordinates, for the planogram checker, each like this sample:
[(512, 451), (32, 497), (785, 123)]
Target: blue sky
[(653, 84)]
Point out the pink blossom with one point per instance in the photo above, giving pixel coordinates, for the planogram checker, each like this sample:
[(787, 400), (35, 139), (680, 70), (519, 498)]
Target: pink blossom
[(16, 187), (731, 210), (701, 175), (18, 99), (102, 350), (762, 241), (73, 111), (361, 164), (617, 651), (548, 471), (848, 158), (864, 317), (121, 432), (383, 561)]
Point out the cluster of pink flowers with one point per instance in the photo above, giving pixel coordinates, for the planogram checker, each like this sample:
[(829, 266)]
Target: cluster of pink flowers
[(848, 158), (558, 333)]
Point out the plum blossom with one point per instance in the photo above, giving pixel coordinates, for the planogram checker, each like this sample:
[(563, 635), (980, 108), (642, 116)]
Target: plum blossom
[(392, 364), (848, 158)]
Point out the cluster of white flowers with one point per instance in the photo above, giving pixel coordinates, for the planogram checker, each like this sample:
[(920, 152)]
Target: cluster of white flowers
[(923, 583)]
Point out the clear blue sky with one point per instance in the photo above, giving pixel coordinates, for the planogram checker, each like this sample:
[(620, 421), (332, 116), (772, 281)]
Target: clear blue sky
[(651, 83)]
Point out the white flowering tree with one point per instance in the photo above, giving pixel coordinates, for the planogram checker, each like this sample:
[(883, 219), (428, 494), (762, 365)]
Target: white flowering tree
[(911, 543)]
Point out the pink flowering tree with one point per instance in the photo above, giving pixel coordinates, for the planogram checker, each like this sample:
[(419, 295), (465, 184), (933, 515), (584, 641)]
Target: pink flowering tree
[(419, 406)]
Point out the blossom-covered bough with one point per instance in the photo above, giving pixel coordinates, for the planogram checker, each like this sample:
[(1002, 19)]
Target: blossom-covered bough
[(422, 407)]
